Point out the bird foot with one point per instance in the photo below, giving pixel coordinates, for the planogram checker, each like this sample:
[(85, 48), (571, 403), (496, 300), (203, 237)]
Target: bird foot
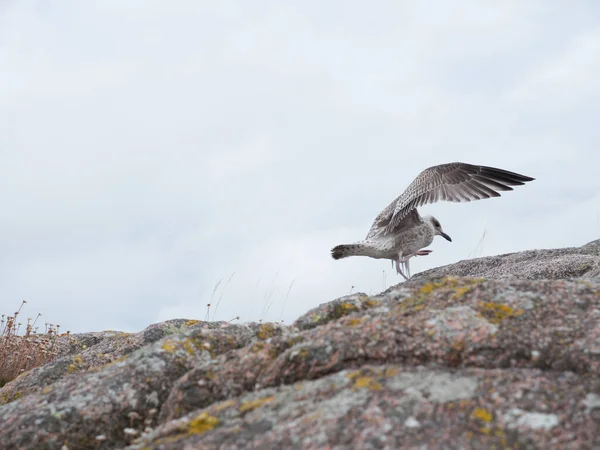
[(399, 271), (423, 252)]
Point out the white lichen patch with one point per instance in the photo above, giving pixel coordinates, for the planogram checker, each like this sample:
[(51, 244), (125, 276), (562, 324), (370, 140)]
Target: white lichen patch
[(592, 401), (437, 387), (517, 418), (411, 422)]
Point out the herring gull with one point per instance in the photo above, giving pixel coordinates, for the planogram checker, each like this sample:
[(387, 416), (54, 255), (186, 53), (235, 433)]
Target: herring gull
[(399, 232)]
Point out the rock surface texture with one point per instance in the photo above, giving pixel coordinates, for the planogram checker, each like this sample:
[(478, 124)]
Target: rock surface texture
[(496, 352)]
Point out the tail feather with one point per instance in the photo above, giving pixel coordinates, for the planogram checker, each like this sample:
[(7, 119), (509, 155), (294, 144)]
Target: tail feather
[(345, 250)]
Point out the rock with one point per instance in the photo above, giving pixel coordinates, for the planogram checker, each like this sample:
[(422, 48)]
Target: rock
[(563, 263), (85, 351), (123, 394), (508, 360)]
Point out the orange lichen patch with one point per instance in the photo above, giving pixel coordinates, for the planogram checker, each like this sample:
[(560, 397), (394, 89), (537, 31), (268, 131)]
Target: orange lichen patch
[(482, 414), (189, 323), (202, 423), (497, 312), (253, 404)]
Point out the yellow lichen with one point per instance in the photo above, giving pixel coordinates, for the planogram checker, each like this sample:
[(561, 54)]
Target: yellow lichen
[(168, 346), (460, 288), (418, 301), (343, 309), (428, 288), (76, 364), (368, 378), (497, 312), (390, 372), (189, 323), (370, 303), (352, 322), (224, 405), (202, 423), (189, 348), (265, 331), (362, 379), (253, 404), (316, 317), (461, 291), (367, 382), (257, 347), (303, 353), (311, 418), (482, 414), (294, 340)]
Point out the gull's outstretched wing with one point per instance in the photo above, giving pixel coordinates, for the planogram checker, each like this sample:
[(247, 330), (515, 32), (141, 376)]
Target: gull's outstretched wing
[(454, 182)]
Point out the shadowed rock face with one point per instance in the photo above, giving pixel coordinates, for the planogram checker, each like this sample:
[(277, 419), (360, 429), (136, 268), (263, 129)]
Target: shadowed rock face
[(501, 351)]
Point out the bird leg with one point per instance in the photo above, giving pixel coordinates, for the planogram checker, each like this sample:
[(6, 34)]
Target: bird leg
[(404, 261), (398, 270)]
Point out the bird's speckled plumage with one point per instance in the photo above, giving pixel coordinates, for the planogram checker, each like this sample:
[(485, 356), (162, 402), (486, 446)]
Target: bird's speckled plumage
[(399, 232)]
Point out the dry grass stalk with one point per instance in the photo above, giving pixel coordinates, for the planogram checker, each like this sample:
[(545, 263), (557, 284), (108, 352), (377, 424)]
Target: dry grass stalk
[(19, 353)]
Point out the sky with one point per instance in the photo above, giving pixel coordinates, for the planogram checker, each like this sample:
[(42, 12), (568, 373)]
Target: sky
[(156, 156)]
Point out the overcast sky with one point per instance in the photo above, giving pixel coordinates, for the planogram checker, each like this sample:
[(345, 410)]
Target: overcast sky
[(149, 149)]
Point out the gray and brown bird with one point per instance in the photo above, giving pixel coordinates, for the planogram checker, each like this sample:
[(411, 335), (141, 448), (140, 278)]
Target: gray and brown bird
[(399, 232)]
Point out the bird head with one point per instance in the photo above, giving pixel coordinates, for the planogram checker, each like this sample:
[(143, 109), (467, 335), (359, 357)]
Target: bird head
[(437, 227)]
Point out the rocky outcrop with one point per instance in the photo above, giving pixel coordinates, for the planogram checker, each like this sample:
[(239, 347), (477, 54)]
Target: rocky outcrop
[(451, 359), (86, 351), (562, 263)]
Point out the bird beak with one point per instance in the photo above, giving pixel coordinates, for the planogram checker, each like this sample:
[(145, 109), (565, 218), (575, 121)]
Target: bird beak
[(445, 236)]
